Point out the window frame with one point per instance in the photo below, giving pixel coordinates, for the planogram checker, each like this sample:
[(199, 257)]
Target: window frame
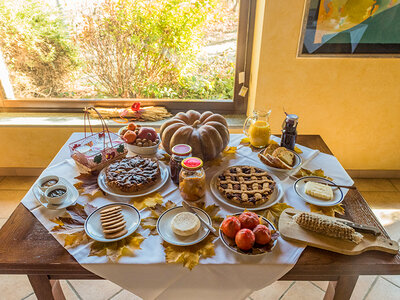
[(237, 105)]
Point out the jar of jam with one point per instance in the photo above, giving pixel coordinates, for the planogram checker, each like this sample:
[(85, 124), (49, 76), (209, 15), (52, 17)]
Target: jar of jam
[(179, 153), (192, 179)]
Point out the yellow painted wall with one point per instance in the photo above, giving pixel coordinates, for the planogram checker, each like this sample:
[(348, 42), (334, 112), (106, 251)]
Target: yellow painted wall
[(353, 103)]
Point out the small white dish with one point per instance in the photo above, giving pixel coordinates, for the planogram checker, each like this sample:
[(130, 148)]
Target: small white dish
[(230, 243), (165, 231), (275, 197), (299, 189), (101, 180), (298, 161), (46, 179), (72, 195), (143, 150), (94, 229), (53, 196)]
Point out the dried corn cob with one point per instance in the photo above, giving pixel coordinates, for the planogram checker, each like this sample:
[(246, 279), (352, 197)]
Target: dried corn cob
[(327, 226)]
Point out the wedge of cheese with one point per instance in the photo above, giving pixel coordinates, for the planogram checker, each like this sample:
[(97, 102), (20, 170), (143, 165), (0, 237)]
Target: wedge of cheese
[(185, 224), (318, 190)]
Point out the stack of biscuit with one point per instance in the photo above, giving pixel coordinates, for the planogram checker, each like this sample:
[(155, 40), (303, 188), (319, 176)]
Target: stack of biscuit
[(113, 222)]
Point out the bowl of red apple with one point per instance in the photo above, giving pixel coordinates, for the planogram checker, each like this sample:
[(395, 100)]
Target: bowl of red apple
[(249, 234), (140, 140)]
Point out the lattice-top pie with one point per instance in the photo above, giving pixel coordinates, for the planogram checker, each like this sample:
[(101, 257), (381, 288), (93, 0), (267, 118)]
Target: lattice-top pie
[(132, 174), (246, 185)]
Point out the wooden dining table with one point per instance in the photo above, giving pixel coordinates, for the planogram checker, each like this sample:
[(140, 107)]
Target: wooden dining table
[(26, 247)]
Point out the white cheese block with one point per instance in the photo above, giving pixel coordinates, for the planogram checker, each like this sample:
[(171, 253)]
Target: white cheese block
[(318, 190), (185, 224)]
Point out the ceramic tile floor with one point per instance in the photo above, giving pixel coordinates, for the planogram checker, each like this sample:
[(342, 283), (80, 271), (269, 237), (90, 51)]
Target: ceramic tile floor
[(383, 195)]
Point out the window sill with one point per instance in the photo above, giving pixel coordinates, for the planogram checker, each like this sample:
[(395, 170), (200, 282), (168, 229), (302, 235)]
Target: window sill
[(37, 119)]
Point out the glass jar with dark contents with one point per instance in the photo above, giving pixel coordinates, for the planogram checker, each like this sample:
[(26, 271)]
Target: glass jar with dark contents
[(179, 153)]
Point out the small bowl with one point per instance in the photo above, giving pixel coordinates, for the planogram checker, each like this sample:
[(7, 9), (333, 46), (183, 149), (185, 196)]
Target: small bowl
[(45, 179), (57, 200), (151, 150)]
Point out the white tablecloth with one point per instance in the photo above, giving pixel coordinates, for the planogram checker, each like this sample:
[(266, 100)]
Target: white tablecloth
[(223, 276)]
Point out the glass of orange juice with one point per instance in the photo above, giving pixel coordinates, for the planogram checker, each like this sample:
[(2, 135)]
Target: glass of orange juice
[(257, 128)]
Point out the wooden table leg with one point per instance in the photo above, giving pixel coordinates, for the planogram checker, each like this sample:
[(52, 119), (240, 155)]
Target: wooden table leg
[(341, 289), (46, 289)]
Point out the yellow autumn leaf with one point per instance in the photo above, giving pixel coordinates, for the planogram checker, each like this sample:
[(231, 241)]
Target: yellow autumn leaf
[(305, 172), (115, 250), (297, 150), (87, 185), (327, 210), (165, 157), (230, 150), (150, 200), (245, 140), (156, 211), (189, 256), (273, 213)]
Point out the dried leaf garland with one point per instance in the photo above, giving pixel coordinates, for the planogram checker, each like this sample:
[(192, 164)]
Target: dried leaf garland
[(115, 250), (327, 210), (304, 172), (87, 185), (156, 211), (189, 256), (273, 213), (150, 200)]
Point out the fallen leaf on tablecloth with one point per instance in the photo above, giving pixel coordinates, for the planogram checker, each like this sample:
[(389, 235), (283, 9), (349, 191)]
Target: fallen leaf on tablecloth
[(215, 162), (327, 210), (304, 172), (150, 222), (115, 250), (70, 226), (87, 185), (189, 256), (273, 213), (245, 140), (272, 142), (230, 150), (165, 157), (150, 200), (297, 150)]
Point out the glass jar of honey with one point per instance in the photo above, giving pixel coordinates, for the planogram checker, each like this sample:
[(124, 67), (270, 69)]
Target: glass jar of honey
[(192, 179), (179, 153)]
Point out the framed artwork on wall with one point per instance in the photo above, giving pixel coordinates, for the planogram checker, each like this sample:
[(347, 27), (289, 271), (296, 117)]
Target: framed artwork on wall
[(351, 28)]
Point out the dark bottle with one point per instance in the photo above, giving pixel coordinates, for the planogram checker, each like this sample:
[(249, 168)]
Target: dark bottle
[(289, 132), (179, 153)]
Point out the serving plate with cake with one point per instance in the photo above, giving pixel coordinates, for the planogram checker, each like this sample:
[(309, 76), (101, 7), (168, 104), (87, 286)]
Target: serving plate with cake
[(133, 177), (280, 159), (246, 186)]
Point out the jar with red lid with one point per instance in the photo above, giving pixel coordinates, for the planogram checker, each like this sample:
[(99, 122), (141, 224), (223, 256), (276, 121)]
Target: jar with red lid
[(179, 153), (192, 179)]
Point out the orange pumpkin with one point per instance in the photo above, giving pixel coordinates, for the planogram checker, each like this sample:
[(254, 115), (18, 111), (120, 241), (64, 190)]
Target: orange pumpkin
[(206, 133)]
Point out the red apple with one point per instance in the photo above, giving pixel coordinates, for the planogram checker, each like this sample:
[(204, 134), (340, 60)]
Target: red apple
[(129, 137), (147, 133), (249, 220), (245, 239), (262, 234), (230, 226)]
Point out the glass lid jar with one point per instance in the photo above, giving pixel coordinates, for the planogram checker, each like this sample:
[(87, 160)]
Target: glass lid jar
[(192, 179), (179, 153)]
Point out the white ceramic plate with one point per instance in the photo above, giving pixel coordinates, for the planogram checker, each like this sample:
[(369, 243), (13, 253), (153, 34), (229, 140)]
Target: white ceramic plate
[(230, 243), (165, 231), (299, 189), (101, 180), (72, 195), (297, 163), (275, 197), (93, 224)]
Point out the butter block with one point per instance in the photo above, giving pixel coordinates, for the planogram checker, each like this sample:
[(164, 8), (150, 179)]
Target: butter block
[(318, 190), (185, 224)]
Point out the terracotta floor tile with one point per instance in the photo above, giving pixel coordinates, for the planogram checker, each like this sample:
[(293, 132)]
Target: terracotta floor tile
[(395, 279), (374, 185), (396, 183), (303, 290), (17, 183), (14, 287), (383, 290), (362, 287), (9, 199), (382, 200), (321, 284), (95, 289), (273, 291), (125, 295)]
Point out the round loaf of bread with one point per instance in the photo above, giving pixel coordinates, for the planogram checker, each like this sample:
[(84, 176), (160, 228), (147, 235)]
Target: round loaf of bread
[(185, 224)]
